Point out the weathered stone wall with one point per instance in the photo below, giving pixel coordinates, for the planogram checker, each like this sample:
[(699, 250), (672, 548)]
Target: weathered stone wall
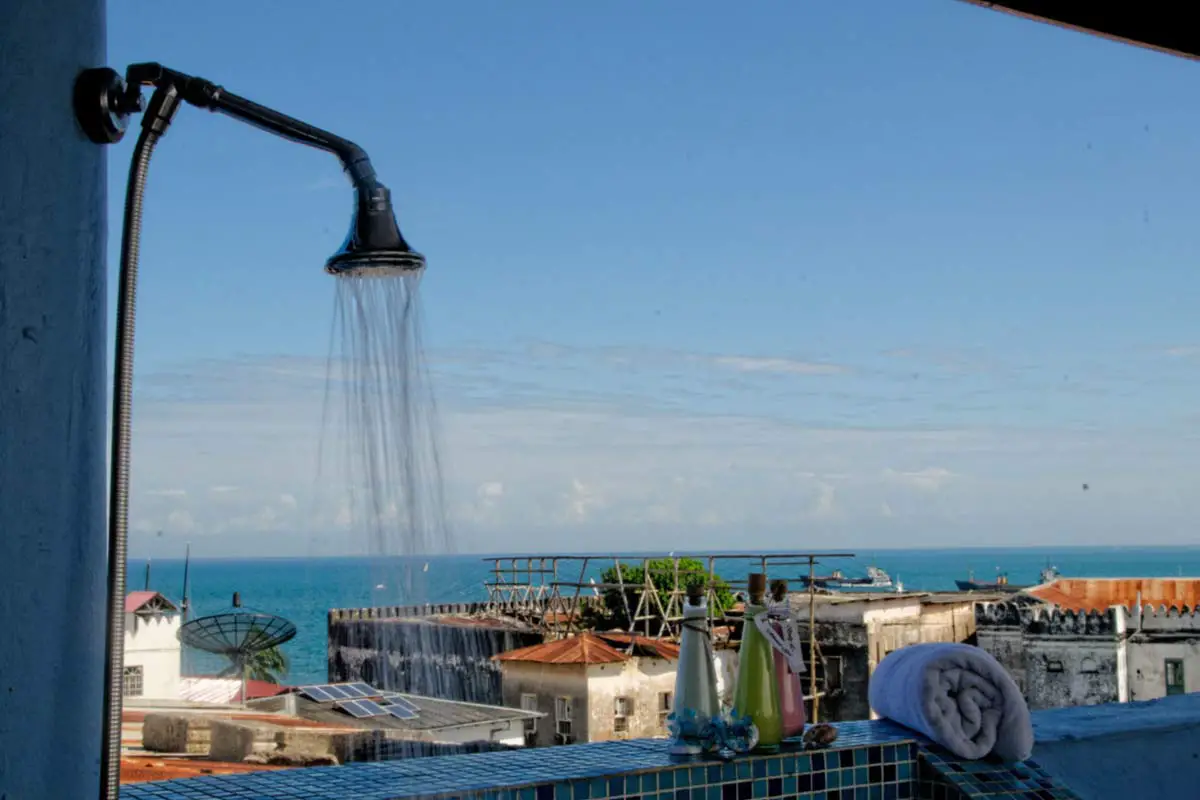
[(547, 682), (1058, 658), (845, 645), (450, 660), (642, 681)]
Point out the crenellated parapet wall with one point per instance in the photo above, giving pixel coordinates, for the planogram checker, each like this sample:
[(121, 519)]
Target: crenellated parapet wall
[(1166, 619), (1043, 620), (1048, 620)]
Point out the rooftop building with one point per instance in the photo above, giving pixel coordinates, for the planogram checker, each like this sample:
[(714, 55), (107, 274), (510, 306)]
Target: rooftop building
[(1085, 641), (592, 687)]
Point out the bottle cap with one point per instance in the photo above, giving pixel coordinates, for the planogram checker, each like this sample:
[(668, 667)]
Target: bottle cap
[(779, 590), (757, 586), (695, 593)]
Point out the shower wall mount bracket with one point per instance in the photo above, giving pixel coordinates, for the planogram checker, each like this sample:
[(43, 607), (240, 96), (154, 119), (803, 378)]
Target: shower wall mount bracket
[(103, 103)]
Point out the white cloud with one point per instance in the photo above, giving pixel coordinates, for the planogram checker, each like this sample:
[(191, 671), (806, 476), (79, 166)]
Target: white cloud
[(180, 522), (777, 365), (930, 479), (826, 504), (1183, 351), (573, 471)]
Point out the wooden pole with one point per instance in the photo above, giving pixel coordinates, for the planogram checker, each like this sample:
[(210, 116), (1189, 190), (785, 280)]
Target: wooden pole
[(812, 637)]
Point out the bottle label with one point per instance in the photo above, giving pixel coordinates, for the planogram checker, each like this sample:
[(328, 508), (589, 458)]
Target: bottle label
[(784, 635)]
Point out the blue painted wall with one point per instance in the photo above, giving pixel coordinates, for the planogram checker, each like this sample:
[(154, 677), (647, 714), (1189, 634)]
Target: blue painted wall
[(52, 404)]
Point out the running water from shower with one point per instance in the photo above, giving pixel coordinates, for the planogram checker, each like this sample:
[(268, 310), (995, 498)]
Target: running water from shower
[(387, 423)]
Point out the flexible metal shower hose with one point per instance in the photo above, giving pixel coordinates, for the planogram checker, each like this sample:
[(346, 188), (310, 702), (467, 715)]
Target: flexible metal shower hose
[(118, 487)]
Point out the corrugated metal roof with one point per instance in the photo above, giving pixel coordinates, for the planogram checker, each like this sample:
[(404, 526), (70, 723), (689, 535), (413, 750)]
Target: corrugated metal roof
[(586, 648), (432, 714), (222, 691), (1086, 594), (642, 645)]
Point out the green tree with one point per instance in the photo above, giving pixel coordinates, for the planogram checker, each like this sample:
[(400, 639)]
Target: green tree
[(266, 665), (692, 572)]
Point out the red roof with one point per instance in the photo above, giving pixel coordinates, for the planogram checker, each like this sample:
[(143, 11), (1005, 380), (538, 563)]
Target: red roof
[(1087, 594), (586, 648), (136, 600), (592, 648), (642, 646)]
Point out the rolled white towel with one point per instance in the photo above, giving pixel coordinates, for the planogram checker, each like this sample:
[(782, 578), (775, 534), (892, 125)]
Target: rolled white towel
[(958, 696)]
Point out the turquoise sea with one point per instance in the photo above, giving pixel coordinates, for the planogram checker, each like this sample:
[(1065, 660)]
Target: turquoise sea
[(304, 589)]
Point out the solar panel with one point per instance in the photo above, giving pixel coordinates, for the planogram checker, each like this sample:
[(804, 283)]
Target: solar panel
[(406, 705), (351, 689), (367, 689), (362, 709), (354, 708), (401, 712), (317, 693), (337, 692)]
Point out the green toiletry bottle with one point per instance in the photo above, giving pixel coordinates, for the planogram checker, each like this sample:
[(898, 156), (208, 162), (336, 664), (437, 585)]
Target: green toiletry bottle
[(757, 692)]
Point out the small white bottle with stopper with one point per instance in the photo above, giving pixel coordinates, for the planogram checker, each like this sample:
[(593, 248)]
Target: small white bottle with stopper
[(696, 703)]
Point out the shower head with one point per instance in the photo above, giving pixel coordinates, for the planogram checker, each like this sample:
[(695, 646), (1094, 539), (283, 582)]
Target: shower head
[(374, 247)]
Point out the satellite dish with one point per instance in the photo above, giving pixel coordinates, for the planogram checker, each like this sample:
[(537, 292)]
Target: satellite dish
[(237, 633)]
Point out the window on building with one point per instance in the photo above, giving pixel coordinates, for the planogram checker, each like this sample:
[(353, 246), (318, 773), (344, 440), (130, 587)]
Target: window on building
[(833, 673), (529, 703), (1089, 666), (666, 700), (131, 681), (1173, 668), (564, 709), (1054, 665), (622, 711)]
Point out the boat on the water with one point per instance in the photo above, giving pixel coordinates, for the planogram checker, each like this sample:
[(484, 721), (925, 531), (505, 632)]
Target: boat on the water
[(1001, 583), (876, 580)]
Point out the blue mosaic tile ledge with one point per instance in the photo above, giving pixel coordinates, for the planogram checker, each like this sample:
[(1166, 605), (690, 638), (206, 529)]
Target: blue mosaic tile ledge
[(873, 760), (942, 776)]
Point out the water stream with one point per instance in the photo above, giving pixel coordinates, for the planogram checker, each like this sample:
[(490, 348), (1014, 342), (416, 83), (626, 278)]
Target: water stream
[(380, 409)]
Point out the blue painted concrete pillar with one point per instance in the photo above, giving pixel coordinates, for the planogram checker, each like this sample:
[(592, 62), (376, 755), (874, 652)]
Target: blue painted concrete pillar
[(52, 404)]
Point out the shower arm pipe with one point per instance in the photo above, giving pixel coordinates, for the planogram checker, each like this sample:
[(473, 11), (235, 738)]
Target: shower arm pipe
[(102, 116), (207, 95)]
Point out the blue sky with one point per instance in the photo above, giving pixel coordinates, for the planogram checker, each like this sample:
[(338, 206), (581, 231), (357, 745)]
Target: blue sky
[(890, 273)]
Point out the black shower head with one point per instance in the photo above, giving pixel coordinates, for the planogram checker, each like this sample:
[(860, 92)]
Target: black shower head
[(374, 246)]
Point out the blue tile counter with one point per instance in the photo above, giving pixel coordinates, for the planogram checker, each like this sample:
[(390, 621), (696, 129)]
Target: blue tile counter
[(941, 776), (875, 760)]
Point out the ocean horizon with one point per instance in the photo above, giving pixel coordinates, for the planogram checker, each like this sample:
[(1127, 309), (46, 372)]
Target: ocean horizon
[(304, 589)]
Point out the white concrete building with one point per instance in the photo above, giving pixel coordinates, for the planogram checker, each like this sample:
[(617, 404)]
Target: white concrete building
[(1064, 648), (153, 654), (592, 687)]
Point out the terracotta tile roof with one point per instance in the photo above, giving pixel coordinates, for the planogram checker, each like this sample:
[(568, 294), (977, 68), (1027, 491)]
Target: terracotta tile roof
[(1086, 594), (135, 600), (586, 648)]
